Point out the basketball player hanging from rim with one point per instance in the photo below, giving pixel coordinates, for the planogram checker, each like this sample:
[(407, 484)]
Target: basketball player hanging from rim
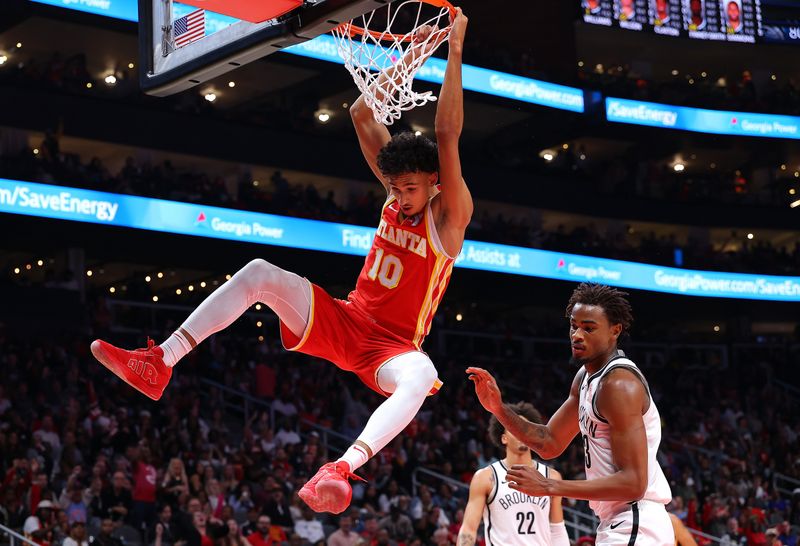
[(511, 518), (378, 332), (610, 405)]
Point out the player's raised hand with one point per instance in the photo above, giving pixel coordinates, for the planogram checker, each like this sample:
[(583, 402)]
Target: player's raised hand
[(425, 40), (459, 28), (486, 388), (423, 32), (528, 480)]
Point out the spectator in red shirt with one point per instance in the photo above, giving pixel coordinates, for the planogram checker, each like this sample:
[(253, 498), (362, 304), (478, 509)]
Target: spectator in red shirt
[(144, 487), (18, 477), (263, 534)]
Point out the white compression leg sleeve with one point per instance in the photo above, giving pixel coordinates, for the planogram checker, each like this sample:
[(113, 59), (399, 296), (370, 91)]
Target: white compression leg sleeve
[(287, 294), (409, 377)]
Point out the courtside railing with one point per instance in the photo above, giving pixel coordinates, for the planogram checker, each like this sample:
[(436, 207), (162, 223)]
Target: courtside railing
[(12, 538), (248, 407), (786, 485)]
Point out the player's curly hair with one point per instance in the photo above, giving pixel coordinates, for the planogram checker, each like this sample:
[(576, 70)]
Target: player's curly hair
[(613, 302), (525, 409), (408, 153)]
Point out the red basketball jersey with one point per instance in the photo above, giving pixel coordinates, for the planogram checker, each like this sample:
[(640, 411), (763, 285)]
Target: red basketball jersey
[(405, 274)]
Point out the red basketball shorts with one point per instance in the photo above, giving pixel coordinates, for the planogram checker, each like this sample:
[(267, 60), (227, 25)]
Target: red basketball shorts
[(339, 332)]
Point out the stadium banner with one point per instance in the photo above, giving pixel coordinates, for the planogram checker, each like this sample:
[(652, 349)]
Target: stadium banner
[(480, 80), (720, 122), (127, 10), (323, 47), (65, 203)]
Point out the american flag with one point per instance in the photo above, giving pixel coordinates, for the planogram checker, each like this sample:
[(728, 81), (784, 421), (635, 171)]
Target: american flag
[(190, 28)]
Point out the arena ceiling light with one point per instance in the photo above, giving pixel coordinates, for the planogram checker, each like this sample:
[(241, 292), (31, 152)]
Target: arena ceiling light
[(210, 97), (548, 155), (679, 167), (111, 79), (3, 59)]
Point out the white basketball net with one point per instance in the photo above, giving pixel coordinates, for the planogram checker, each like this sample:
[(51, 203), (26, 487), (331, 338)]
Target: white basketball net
[(400, 54)]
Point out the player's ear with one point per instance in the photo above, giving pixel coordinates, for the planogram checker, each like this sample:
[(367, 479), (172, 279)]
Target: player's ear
[(433, 179), (504, 439), (616, 330)]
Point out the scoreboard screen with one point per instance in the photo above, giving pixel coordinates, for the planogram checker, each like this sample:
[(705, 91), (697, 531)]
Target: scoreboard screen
[(722, 20)]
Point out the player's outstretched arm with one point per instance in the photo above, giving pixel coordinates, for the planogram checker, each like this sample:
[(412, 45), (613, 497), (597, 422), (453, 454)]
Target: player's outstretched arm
[(479, 489), (455, 207), (549, 440), (558, 530)]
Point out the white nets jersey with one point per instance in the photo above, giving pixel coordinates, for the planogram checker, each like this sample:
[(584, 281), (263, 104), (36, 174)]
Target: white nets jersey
[(512, 518), (599, 460)]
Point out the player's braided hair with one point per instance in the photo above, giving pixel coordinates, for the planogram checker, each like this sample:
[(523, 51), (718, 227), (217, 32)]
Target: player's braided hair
[(408, 153), (524, 409), (613, 302)]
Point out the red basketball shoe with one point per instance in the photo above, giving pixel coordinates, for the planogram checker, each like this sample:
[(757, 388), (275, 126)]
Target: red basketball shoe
[(142, 369), (329, 490)]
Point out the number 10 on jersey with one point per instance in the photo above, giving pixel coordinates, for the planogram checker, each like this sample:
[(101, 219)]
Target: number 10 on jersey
[(387, 269)]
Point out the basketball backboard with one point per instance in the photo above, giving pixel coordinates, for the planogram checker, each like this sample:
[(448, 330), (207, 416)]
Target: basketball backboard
[(182, 45)]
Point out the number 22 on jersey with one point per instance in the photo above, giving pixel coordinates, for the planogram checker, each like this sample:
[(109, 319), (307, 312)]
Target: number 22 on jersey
[(387, 269)]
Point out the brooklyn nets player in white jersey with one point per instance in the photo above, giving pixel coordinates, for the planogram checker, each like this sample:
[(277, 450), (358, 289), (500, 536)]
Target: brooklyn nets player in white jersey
[(610, 405), (512, 518)]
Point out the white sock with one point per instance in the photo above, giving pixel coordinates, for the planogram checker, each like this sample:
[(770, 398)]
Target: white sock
[(409, 377), (287, 294), (176, 347), (356, 456)]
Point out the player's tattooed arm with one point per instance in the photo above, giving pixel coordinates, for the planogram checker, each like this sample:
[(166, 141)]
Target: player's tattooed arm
[(466, 539), (531, 434)]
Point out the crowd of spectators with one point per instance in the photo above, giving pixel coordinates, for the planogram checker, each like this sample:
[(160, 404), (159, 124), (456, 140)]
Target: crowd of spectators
[(85, 456), (280, 196)]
